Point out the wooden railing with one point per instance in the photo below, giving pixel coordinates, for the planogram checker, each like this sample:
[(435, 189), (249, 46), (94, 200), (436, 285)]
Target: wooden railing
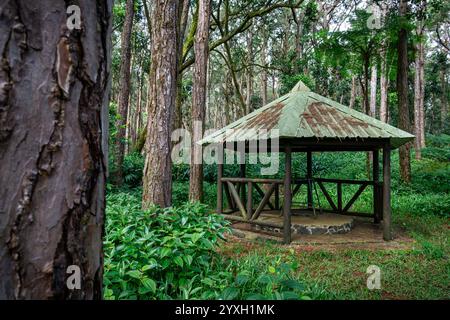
[(239, 195)]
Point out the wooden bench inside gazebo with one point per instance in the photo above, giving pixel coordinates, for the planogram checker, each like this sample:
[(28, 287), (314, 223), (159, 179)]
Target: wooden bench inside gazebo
[(304, 121)]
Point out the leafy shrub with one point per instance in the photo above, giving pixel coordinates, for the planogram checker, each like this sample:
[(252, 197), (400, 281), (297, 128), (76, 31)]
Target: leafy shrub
[(133, 169), (422, 204), (437, 153), (180, 172), (171, 254), (180, 193), (438, 148), (259, 277), (442, 140), (158, 253)]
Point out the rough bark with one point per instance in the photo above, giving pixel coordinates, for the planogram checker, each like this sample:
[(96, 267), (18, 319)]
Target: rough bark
[(422, 109), (199, 100), (298, 19), (54, 93), (157, 181), (373, 91), (402, 91), (443, 98), (178, 122), (264, 69), (384, 87), (365, 83), (353, 93), (124, 90), (249, 75), (418, 100)]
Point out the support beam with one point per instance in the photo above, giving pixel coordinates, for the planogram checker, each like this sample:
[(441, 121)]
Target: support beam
[(262, 194), (265, 200), (387, 231), (376, 189), (242, 185), (237, 199), (327, 196), (309, 177), (287, 197), (355, 197), (219, 187), (231, 204), (277, 197), (249, 200)]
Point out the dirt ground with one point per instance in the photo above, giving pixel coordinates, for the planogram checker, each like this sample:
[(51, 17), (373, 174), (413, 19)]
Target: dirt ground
[(364, 235)]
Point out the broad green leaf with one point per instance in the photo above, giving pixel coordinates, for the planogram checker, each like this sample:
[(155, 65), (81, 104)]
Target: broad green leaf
[(134, 274), (149, 284), (165, 252), (230, 293), (178, 261)]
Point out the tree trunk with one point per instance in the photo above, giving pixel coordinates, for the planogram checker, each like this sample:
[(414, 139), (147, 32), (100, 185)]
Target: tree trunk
[(54, 93), (443, 97), (264, 69), (422, 89), (402, 90), (365, 84), (353, 93), (384, 87), (249, 78), (124, 90), (418, 100), (299, 33), (178, 123), (199, 100), (373, 91), (157, 181)]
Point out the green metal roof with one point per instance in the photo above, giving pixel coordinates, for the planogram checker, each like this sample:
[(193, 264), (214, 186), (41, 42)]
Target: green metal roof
[(304, 114)]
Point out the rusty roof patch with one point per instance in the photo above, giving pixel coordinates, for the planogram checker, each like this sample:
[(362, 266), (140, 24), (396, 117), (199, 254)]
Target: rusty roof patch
[(266, 120), (321, 117), (261, 121)]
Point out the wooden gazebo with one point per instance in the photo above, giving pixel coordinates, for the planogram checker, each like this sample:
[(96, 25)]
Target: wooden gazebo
[(306, 122)]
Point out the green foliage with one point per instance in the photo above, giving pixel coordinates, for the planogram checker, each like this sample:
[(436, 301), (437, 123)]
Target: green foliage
[(180, 193), (171, 254), (289, 81), (259, 277), (133, 166), (158, 253), (438, 148)]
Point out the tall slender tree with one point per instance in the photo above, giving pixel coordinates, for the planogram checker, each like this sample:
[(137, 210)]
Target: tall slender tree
[(402, 91), (54, 94), (199, 99), (157, 181), (124, 89)]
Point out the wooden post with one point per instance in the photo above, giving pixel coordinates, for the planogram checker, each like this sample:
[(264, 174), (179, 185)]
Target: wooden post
[(309, 177), (249, 200), (242, 184), (277, 197), (376, 189), (387, 232), (287, 197), (219, 181)]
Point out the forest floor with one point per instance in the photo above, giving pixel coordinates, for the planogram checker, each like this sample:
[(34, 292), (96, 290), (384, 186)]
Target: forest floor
[(414, 266)]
